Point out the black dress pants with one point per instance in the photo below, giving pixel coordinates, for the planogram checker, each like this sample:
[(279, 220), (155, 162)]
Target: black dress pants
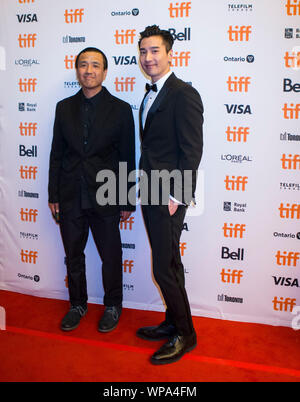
[(164, 233), (74, 227)]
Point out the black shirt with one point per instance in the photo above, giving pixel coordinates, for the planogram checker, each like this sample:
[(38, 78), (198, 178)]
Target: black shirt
[(88, 110)]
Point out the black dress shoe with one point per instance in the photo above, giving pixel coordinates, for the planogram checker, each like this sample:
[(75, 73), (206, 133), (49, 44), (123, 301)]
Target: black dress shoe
[(173, 350), (110, 318), (72, 319), (162, 331)]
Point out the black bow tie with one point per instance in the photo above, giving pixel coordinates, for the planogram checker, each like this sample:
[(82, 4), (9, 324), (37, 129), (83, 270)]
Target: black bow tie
[(151, 87)]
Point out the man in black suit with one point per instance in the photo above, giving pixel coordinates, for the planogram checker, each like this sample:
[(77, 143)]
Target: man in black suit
[(93, 132), (171, 118)]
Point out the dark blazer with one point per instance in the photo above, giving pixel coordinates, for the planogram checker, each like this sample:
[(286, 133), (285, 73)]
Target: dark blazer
[(172, 138), (111, 140)]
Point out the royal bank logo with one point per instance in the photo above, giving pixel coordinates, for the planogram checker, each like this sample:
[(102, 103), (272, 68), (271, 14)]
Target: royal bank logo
[(27, 107)]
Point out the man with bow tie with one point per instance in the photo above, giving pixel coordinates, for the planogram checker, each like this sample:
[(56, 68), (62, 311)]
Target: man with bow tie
[(171, 118)]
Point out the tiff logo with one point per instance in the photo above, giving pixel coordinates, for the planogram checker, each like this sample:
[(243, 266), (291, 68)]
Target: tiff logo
[(125, 37), (181, 59), (292, 60), (239, 34), (231, 276), (27, 84), (182, 248), (127, 225), (292, 162), (291, 112), (70, 62), (236, 231), (2, 319), (240, 84), (28, 215), (236, 184), (27, 40), (26, 1), (28, 129), (74, 16), (287, 258), (293, 7), (28, 172), (124, 85), (128, 264), (180, 10), (29, 257), (282, 304), (237, 135), (289, 211)]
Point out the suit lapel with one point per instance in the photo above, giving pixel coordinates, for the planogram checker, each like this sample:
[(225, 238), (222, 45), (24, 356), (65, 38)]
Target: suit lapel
[(161, 97)]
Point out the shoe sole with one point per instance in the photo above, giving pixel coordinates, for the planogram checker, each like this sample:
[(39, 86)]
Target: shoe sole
[(107, 330), (169, 361)]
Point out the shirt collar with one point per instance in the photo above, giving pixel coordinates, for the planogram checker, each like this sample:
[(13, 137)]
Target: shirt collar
[(162, 80)]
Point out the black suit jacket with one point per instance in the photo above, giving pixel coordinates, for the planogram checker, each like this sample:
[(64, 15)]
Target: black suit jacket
[(172, 137), (111, 140)]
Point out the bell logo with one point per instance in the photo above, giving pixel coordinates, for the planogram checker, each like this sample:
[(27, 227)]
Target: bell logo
[(27, 84), (181, 59), (29, 257), (291, 112), (231, 277), (182, 248), (74, 16), (240, 84), (236, 184), (124, 85), (239, 33), (237, 134), (28, 129), (236, 231), (293, 7), (28, 173), (180, 10), (281, 304), (127, 225), (125, 37), (127, 264), (285, 258), (289, 211), (27, 40), (28, 215), (292, 162), (292, 60), (70, 62)]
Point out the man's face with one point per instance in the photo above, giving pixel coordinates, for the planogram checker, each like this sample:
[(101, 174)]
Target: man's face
[(90, 71), (154, 58)]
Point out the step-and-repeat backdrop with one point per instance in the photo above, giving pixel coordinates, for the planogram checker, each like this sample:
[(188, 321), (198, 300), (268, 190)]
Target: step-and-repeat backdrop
[(240, 245)]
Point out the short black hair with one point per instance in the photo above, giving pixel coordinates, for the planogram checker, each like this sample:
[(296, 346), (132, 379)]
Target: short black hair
[(154, 30), (92, 49)]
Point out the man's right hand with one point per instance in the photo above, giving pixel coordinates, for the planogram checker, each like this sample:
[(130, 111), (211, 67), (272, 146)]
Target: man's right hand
[(54, 208)]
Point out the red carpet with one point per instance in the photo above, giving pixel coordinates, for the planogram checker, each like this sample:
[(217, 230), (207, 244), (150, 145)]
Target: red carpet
[(32, 348)]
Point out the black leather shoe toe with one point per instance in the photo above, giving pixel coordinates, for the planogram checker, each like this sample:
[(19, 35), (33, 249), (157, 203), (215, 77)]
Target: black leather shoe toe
[(173, 350)]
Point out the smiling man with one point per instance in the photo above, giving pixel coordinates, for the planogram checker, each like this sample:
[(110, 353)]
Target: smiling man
[(171, 117), (93, 131)]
